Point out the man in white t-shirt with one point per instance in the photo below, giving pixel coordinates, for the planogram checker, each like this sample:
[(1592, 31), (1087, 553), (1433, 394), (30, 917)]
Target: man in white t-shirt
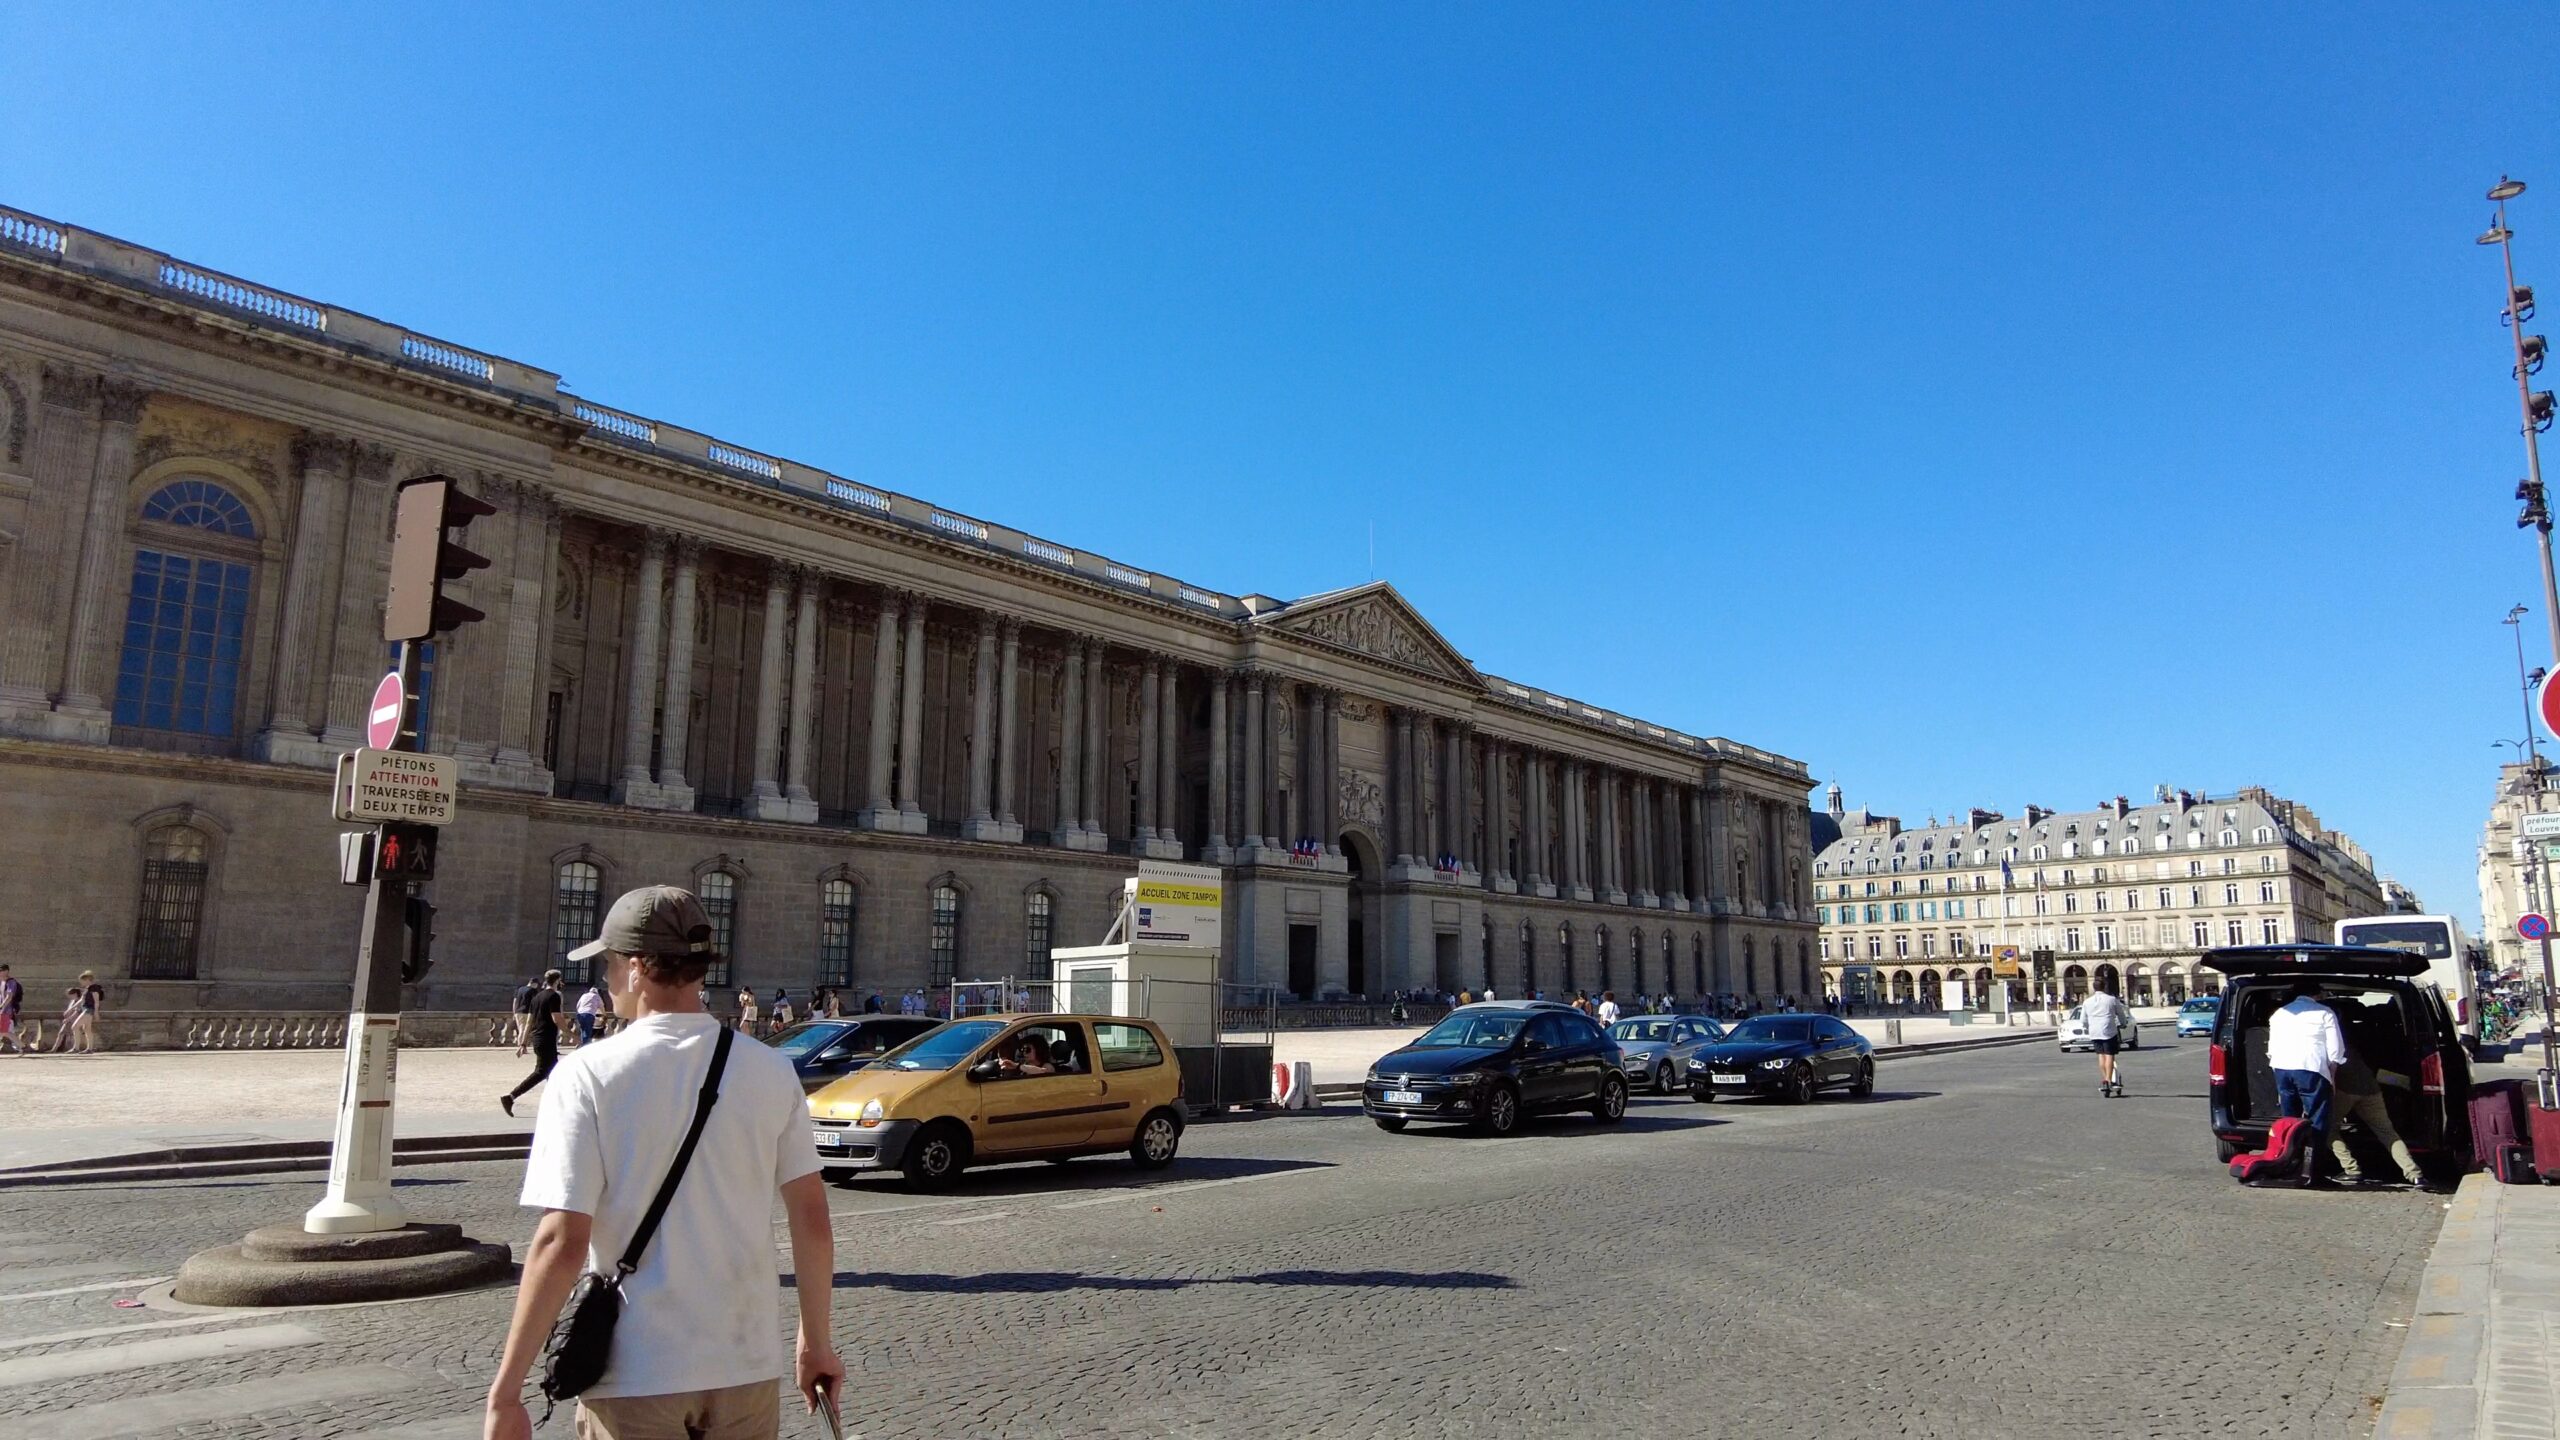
[(2105, 1015), (698, 1350), (1608, 1008)]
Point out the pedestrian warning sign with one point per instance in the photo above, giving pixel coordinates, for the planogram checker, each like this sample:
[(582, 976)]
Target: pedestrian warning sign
[(395, 785)]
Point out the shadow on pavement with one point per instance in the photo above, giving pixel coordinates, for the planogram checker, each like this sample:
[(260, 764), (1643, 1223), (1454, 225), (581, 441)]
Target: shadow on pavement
[(1050, 1282), (1827, 1100), (1097, 1174)]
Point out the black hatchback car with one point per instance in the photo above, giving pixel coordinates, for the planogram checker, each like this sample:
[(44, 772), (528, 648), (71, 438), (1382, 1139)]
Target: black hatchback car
[(1792, 1056), (2393, 1020), (824, 1051), (1489, 1065)]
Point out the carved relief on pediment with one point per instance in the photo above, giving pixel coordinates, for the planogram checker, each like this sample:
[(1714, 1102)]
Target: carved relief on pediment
[(1373, 627)]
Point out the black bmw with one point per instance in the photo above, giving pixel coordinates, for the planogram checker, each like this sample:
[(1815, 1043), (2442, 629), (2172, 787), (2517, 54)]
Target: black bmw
[(1785, 1055), (1489, 1065)]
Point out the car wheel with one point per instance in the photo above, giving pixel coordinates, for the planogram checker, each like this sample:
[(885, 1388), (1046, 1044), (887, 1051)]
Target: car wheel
[(1865, 1084), (1159, 1136), (2226, 1151), (1501, 1115), (1392, 1124), (1666, 1080), (1612, 1106), (1800, 1086), (937, 1156)]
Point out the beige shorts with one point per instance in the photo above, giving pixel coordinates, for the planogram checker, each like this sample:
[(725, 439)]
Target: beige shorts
[(739, 1412)]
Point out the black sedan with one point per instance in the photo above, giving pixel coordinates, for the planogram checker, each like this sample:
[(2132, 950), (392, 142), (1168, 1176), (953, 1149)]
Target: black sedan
[(1786, 1055), (1489, 1065), (828, 1050)]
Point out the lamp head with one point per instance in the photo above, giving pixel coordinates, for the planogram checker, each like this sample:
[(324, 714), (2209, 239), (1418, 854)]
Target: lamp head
[(2506, 189), (2494, 235)]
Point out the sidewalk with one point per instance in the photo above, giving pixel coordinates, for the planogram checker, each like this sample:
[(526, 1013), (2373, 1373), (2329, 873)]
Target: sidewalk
[(2483, 1353)]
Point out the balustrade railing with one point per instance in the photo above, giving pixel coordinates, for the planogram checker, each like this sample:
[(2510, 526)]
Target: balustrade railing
[(241, 295), (447, 357), (30, 233)]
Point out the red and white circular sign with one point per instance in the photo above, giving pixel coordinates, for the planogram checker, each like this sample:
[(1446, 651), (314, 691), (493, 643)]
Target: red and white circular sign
[(382, 717)]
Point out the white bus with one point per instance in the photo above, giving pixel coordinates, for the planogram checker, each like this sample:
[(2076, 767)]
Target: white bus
[(2448, 951)]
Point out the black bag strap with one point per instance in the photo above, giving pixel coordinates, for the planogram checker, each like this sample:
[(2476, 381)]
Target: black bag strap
[(684, 1156)]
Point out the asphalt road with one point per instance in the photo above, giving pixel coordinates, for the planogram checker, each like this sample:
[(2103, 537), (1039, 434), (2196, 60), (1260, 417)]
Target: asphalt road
[(1985, 1248)]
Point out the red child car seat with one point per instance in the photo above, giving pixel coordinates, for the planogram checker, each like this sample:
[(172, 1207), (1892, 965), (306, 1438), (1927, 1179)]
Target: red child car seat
[(2286, 1162)]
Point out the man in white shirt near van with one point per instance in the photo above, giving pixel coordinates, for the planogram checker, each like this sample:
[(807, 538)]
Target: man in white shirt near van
[(697, 1352), (2305, 1047), (2105, 1015)]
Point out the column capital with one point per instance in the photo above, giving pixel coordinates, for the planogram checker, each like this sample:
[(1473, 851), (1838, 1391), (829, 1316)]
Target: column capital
[(689, 548), (120, 402), (1010, 629), (319, 450), (987, 622), (71, 387)]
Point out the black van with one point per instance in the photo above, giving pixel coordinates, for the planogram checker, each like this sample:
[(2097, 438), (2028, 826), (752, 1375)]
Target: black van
[(2394, 1020)]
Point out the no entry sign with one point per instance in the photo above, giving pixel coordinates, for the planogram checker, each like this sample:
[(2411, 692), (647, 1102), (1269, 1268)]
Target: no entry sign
[(2532, 927), (382, 717), (2546, 702)]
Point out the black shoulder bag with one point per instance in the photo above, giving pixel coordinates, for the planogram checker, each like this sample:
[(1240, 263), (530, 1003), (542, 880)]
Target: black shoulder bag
[(583, 1342)]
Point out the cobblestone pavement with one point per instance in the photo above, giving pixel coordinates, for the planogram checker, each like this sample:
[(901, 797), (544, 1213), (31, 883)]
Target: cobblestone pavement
[(1986, 1248)]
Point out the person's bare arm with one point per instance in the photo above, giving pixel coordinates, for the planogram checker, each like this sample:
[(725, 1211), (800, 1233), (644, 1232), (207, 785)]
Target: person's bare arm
[(813, 1268), (552, 1265)]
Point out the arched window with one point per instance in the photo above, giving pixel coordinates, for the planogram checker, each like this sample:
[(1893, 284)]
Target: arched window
[(720, 902), (835, 932), (573, 918), (187, 615), (176, 861), (1035, 937), (944, 965)]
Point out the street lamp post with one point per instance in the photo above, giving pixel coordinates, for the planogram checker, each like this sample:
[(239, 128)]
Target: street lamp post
[(2535, 409)]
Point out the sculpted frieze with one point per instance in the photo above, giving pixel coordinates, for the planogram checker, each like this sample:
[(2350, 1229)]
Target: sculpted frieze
[(1372, 628), (175, 429), (1363, 799)]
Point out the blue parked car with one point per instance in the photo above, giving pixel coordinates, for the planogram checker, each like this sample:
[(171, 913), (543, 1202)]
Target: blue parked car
[(2196, 1016)]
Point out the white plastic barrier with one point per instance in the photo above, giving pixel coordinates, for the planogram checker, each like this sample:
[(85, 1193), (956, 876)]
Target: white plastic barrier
[(1293, 1084)]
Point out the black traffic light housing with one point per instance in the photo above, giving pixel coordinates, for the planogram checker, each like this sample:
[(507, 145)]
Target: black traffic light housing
[(418, 919), (406, 852), (424, 557)]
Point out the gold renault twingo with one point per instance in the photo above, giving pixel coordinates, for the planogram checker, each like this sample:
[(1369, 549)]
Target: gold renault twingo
[(996, 1090)]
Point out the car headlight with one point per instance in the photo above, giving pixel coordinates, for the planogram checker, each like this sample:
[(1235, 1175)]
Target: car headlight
[(1373, 1074), (1697, 1064), (873, 1112), (1780, 1063)]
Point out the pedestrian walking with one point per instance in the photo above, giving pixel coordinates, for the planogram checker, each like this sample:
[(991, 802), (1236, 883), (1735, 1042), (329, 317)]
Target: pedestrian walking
[(524, 1007), (2305, 1048), (782, 1011), (13, 998), (2104, 1014), (592, 1008), (694, 1351), (93, 997), (542, 1032), (747, 1011), (1608, 1008), (70, 1023)]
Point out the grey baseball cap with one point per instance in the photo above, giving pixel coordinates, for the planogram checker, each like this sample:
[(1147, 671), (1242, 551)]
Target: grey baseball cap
[(652, 920)]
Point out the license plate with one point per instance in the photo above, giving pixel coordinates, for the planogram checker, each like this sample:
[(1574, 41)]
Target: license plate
[(827, 1139), (1404, 1097), (1733, 1079)]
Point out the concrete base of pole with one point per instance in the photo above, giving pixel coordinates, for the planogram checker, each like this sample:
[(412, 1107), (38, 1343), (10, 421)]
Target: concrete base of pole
[(286, 1265)]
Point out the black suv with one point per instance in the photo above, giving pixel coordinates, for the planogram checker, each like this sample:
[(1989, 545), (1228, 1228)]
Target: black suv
[(1490, 1064), (2393, 1019)]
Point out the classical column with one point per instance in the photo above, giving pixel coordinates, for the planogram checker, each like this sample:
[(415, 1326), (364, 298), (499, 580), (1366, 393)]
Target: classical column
[(1578, 815), (879, 811), (675, 722), (640, 673), (1612, 877), (1169, 761), (768, 753), (98, 586), (1640, 811), (357, 654), (804, 701), (911, 814), (1275, 695), (529, 598), (543, 510), (1720, 877), (1097, 738), (1219, 741), (1070, 818), (1142, 825), (982, 714), (1253, 733), (320, 462), (1533, 834), (60, 458), (1693, 805), (1497, 818), (1009, 726), (1332, 742), (1453, 745), (1675, 878)]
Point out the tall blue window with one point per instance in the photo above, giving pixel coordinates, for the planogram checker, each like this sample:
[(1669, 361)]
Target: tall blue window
[(186, 615)]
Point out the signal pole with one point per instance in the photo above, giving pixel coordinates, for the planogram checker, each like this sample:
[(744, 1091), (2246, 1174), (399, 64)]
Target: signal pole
[(367, 1246)]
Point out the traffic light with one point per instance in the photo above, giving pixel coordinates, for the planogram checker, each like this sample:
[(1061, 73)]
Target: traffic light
[(406, 852), (419, 924), (424, 557)]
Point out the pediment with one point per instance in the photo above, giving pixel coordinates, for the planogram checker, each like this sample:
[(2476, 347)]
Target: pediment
[(1374, 621)]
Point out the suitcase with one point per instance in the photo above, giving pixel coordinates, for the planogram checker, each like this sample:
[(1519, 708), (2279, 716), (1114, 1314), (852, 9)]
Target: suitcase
[(2284, 1164), (2543, 1126), (2497, 1120), (2515, 1166)]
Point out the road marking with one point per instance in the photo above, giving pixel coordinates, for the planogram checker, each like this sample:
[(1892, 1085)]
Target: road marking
[(83, 1289), (144, 1354), (143, 1414), (976, 1219), (21, 1342), (65, 1272), (1136, 1191)]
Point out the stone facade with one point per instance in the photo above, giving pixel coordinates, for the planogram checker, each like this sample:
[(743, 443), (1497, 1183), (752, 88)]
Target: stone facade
[(2135, 893), (891, 743), (2509, 887)]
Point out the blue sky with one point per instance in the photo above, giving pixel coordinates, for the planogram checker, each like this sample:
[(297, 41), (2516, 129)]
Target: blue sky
[(2030, 404)]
